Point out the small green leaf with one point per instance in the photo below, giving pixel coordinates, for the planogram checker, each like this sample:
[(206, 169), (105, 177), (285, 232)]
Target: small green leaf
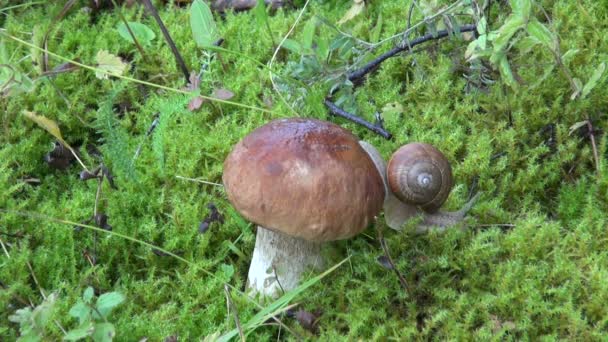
[(88, 295), (202, 24), (142, 33), (79, 333), (593, 80), (107, 301), (567, 57), (104, 332), (521, 8), (506, 32), (81, 311), (355, 9), (292, 46), (506, 73), (526, 44), (260, 13), (541, 32), (377, 30), (309, 34), (482, 26), (579, 86)]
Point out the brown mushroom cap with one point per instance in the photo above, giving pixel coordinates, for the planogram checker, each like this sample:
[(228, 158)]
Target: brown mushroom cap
[(306, 178)]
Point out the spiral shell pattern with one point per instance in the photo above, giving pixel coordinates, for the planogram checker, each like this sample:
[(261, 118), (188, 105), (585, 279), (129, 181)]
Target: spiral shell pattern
[(419, 174)]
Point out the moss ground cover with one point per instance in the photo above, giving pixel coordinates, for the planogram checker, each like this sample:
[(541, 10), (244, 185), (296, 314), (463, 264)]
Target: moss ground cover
[(532, 264)]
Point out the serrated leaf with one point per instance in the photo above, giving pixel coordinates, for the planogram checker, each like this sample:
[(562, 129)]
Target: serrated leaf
[(593, 80), (142, 33), (79, 333), (392, 110), (540, 32), (355, 9), (204, 29), (109, 63), (104, 332), (108, 301)]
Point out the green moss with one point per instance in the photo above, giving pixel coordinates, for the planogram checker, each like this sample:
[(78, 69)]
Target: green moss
[(542, 276)]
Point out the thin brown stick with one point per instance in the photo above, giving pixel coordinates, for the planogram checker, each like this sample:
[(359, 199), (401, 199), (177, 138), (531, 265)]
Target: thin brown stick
[(235, 313), (165, 32), (593, 145), (390, 260)]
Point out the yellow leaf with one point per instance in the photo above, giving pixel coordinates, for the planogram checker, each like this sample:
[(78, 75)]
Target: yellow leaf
[(109, 63), (46, 123), (355, 9)]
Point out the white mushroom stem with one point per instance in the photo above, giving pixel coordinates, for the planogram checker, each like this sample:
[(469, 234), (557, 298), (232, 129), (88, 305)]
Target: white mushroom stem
[(279, 261), (396, 213)]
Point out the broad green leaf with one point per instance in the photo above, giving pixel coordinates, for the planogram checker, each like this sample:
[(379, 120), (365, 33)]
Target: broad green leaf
[(204, 29), (107, 301), (541, 32), (21, 315), (109, 63), (309, 34), (292, 46), (506, 32), (471, 48), (142, 33), (81, 311), (521, 8), (355, 9), (42, 313), (322, 49), (104, 332), (79, 333), (46, 123), (593, 80)]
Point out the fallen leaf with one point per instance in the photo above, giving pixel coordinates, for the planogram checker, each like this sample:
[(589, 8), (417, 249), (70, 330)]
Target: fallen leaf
[(222, 94), (46, 123), (109, 63), (308, 320), (194, 82), (356, 9), (214, 216), (195, 103)]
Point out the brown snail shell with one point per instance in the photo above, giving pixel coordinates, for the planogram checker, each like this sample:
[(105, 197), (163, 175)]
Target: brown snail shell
[(420, 174)]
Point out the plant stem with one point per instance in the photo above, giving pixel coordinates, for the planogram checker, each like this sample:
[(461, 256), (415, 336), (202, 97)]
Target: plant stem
[(163, 29), (124, 20)]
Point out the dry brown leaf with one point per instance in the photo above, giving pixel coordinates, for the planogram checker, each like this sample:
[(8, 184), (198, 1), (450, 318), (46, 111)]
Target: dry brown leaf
[(222, 94), (46, 123)]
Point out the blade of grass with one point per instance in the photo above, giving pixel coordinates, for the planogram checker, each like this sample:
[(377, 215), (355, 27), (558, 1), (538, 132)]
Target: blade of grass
[(280, 304)]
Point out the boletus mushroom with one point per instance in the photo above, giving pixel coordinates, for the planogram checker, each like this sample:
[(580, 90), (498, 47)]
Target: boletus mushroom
[(305, 182)]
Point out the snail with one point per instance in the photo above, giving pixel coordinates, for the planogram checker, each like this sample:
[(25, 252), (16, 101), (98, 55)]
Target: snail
[(418, 181)]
